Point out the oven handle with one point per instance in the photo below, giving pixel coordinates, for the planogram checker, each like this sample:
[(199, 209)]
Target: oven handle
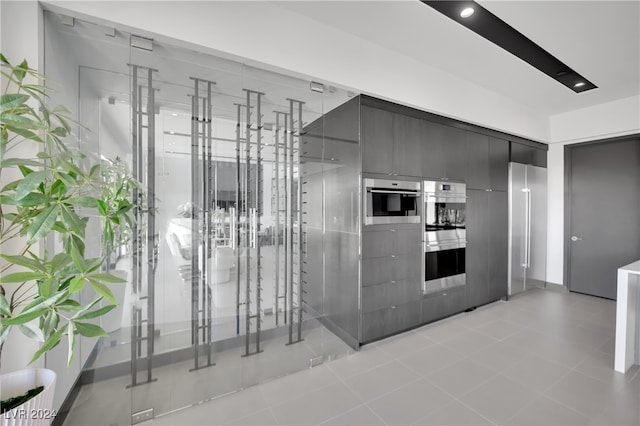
[(447, 196), (383, 191), (450, 243)]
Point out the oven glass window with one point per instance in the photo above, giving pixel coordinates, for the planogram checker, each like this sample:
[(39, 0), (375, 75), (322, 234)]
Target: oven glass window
[(390, 204), (445, 215), (444, 263)]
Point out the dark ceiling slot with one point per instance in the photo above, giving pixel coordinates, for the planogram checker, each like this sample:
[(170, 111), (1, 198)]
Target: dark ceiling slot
[(494, 29)]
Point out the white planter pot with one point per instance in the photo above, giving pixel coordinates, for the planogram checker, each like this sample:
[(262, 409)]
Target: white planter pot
[(38, 411)]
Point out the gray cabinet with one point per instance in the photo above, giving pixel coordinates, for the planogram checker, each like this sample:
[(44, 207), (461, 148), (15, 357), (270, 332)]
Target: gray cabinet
[(444, 304), (487, 246), (526, 154), (391, 281), (498, 164), (377, 140), (391, 143), (477, 156), (407, 139), (498, 244), (448, 144), (390, 320), (477, 266), (487, 162)]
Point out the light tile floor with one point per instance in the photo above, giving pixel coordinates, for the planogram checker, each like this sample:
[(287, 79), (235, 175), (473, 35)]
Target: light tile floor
[(542, 358)]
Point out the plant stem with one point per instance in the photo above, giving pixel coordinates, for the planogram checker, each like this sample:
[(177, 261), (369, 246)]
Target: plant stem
[(22, 252)]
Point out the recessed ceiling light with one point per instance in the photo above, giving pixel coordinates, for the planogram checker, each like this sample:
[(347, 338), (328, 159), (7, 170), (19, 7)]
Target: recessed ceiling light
[(466, 12), (579, 84), (174, 114)]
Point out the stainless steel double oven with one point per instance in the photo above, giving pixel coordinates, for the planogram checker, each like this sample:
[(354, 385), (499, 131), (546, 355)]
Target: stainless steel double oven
[(441, 206), (445, 235)]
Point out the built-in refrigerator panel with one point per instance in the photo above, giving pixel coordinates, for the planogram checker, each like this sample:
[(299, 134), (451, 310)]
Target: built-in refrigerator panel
[(527, 227), (536, 275)]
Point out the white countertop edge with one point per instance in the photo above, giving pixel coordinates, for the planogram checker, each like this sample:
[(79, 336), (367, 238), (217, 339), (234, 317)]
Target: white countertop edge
[(632, 268)]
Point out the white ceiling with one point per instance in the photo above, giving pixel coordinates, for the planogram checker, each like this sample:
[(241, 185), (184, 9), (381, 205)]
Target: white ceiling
[(598, 39)]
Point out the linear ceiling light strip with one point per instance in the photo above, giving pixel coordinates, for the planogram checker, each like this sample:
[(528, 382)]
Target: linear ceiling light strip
[(484, 23)]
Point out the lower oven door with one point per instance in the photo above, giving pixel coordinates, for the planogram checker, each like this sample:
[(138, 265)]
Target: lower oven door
[(444, 268)]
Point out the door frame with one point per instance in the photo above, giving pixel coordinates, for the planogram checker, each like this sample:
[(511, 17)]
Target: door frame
[(568, 174)]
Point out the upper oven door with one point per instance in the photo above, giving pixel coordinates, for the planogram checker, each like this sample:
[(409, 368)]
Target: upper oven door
[(388, 201), (445, 206)]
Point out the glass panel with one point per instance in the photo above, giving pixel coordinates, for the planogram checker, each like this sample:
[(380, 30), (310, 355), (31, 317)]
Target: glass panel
[(226, 273)]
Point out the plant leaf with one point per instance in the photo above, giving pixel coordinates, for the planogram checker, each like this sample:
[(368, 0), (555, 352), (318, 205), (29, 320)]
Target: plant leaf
[(43, 223), (50, 323), (29, 183), (59, 261), (82, 201), (4, 306), (21, 277), (71, 336), (13, 162), (77, 284), (11, 100), (48, 344), (97, 313), (103, 290), (4, 332), (21, 70), (72, 220), (69, 305), (89, 330), (107, 278), (30, 330), (102, 207), (33, 199), (86, 308), (32, 311), (32, 264)]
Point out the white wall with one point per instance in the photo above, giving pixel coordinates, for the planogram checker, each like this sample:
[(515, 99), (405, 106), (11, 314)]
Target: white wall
[(611, 119), (616, 118), (20, 24), (285, 40)]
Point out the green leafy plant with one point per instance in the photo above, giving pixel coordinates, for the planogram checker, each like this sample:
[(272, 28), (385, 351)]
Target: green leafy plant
[(54, 192)]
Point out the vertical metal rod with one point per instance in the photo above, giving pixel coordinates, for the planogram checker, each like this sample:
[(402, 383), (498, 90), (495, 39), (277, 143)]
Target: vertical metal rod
[(212, 206), (277, 224), (248, 224), (204, 234), (134, 151), (142, 179), (237, 230), (136, 212), (285, 233), (258, 198), (151, 229), (300, 246), (195, 227), (134, 364), (291, 220)]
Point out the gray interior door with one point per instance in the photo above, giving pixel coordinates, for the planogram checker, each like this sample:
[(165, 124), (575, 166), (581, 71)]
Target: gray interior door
[(604, 201)]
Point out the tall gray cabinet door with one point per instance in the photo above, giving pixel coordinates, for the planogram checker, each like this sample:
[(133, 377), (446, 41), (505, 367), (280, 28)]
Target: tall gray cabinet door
[(407, 136), (476, 252), (455, 164), (498, 164), (498, 249), (432, 150), (377, 140), (477, 156)]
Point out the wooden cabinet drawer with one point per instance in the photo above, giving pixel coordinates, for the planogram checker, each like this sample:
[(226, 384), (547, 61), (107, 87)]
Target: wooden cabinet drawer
[(389, 294), (378, 270), (444, 304), (388, 321)]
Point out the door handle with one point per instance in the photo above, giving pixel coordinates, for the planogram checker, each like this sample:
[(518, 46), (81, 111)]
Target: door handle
[(574, 238)]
